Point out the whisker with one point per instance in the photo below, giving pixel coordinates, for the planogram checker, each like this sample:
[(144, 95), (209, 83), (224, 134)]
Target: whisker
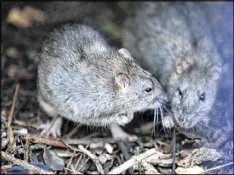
[(161, 113), (164, 107), (153, 133)]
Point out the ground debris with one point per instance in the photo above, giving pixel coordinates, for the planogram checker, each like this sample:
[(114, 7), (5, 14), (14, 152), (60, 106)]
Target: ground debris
[(197, 156), (25, 17)]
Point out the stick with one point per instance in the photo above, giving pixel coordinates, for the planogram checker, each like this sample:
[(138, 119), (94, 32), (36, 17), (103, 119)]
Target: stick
[(90, 140), (47, 141), (217, 167), (25, 164), (124, 150), (132, 161), (11, 115), (173, 152), (94, 159)]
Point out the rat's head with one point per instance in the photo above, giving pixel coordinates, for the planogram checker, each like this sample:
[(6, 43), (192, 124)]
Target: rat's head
[(136, 86), (192, 90)]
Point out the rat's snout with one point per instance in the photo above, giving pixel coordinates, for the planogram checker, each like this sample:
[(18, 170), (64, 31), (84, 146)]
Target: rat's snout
[(184, 122), (163, 97)]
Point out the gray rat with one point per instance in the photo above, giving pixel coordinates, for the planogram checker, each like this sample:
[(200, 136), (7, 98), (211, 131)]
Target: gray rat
[(82, 78), (172, 40)]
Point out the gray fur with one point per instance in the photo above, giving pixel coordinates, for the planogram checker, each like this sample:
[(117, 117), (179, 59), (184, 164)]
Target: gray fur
[(173, 41), (85, 80)]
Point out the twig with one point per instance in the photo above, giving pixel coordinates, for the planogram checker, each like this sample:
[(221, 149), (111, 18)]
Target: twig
[(25, 124), (173, 152), (218, 167), (94, 159), (124, 150), (72, 132), (90, 140), (25, 164), (11, 115), (132, 161), (73, 170), (26, 155), (47, 141), (70, 160)]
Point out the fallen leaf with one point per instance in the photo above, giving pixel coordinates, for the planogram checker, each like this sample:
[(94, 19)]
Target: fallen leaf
[(52, 160), (12, 52), (14, 71), (191, 170), (35, 14), (18, 18), (25, 17)]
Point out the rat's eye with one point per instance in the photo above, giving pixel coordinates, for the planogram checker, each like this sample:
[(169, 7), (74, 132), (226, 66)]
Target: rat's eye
[(148, 90), (179, 92), (202, 97)]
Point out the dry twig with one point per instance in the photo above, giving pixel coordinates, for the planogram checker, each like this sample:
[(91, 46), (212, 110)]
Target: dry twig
[(218, 167), (124, 150), (90, 140), (25, 164), (94, 159), (132, 161), (47, 141), (11, 116), (174, 152)]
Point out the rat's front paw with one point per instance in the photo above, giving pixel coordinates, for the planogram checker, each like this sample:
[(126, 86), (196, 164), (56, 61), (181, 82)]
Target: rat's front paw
[(118, 133), (123, 119), (168, 122), (52, 128)]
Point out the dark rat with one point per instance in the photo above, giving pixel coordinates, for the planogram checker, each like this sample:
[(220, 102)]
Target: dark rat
[(172, 40), (82, 78)]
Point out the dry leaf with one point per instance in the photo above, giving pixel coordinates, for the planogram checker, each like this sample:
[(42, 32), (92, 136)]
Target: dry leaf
[(25, 17), (35, 15), (52, 160), (18, 18), (14, 71), (12, 52), (191, 170)]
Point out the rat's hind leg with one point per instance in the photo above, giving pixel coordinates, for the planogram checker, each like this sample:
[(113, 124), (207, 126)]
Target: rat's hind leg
[(53, 127), (116, 130)]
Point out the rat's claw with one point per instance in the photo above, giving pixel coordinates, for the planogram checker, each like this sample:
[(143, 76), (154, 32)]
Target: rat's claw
[(52, 128), (168, 122)]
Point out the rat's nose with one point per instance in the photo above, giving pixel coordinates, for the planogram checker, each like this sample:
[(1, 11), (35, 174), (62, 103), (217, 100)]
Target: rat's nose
[(163, 97)]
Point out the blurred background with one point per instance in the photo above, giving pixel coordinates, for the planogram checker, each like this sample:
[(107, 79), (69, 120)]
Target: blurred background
[(24, 25)]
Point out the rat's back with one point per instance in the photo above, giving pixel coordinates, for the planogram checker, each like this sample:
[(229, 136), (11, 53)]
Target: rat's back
[(70, 68)]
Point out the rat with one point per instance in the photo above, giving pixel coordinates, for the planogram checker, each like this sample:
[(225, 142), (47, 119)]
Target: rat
[(172, 40), (83, 79)]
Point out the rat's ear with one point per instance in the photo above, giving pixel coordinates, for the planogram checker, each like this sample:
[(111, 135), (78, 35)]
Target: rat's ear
[(122, 79), (125, 53), (215, 72), (181, 65)]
